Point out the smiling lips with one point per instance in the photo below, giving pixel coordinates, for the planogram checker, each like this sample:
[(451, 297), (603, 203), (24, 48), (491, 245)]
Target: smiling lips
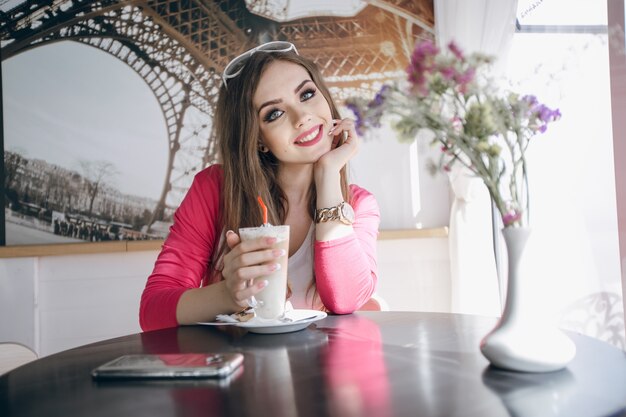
[(310, 137)]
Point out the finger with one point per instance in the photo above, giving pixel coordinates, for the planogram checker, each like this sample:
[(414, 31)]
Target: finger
[(345, 140), (242, 275), (232, 239), (333, 129), (341, 124), (244, 278), (261, 257), (235, 265), (232, 257), (258, 286), (243, 295), (343, 132), (351, 137)]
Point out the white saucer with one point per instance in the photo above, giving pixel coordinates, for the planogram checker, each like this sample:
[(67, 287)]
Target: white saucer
[(301, 319)]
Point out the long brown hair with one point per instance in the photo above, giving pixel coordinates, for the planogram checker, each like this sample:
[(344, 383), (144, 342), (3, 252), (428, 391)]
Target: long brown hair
[(248, 172)]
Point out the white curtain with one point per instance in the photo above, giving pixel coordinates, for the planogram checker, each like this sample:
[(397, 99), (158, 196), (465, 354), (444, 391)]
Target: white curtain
[(485, 26)]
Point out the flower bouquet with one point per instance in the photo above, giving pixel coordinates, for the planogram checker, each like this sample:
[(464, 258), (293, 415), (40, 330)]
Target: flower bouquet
[(487, 131), (474, 123)]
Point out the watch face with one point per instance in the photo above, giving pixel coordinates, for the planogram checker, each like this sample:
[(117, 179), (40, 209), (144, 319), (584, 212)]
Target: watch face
[(347, 212)]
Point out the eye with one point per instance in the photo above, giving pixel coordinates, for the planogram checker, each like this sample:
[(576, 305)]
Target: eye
[(307, 94), (272, 115)]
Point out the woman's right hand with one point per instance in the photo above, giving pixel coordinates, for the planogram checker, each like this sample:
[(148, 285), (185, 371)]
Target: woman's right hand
[(246, 262)]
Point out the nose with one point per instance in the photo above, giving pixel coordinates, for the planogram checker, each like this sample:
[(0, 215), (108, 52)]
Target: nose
[(301, 117)]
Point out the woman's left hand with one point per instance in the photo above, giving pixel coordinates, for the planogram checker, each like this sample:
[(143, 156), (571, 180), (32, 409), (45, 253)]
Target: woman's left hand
[(341, 151)]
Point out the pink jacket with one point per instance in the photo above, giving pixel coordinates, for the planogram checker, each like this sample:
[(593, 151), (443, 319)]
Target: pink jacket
[(345, 268)]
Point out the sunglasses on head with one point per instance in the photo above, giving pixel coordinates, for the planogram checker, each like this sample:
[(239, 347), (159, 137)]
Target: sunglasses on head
[(235, 66)]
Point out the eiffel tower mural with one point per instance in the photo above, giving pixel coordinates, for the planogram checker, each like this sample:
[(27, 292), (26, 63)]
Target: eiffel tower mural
[(179, 48)]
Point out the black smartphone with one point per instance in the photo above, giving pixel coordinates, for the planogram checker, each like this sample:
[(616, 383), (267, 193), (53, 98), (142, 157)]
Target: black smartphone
[(170, 365)]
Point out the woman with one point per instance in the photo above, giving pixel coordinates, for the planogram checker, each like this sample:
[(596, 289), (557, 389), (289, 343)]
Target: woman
[(279, 137)]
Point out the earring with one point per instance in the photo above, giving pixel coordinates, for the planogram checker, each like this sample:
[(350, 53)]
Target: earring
[(263, 148)]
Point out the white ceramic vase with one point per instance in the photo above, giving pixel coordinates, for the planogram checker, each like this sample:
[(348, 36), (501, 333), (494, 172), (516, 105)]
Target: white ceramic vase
[(524, 340)]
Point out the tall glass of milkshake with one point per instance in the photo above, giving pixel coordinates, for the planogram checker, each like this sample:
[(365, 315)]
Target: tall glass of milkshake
[(271, 300)]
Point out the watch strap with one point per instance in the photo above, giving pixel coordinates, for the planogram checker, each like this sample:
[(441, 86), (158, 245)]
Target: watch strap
[(333, 214)]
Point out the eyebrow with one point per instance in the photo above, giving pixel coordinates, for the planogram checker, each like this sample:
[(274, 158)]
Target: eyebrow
[(278, 100)]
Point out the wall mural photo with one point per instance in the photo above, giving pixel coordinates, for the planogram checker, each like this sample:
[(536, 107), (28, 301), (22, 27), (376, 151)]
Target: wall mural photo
[(85, 148), (107, 106)]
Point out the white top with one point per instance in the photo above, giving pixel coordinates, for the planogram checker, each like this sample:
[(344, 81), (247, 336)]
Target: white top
[(300, 273)]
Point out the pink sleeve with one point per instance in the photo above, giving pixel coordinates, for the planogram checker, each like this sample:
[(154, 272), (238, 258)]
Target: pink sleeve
[(186, 253), (345, 268)]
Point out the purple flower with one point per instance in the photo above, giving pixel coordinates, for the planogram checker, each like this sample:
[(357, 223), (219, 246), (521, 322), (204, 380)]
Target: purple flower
[(454, 48), (379, 99), (539, 114), (511, 217), (359, 122), (448, 73), (546, 114), (422, 62), (531, 100), (464, 79), (424, 49), (417, 79)]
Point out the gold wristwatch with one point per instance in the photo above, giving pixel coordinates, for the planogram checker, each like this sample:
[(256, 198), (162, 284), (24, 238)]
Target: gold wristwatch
[(342, 212)]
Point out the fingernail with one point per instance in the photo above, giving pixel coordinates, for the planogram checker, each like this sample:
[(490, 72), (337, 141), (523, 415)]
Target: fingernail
[(275, 267), (263, 283), (278, 253), (332, 128), (230, 232), (270, 240)]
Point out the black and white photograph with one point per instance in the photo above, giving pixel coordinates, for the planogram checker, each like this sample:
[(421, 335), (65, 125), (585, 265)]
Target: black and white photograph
[(107, 106)]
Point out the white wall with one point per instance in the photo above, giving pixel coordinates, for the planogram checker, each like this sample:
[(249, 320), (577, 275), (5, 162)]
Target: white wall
[(414, 274), (396, 173), (17, 300), (58, 302)]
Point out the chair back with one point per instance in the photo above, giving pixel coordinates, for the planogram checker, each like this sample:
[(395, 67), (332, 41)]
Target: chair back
[(376, 303), (13, 355)]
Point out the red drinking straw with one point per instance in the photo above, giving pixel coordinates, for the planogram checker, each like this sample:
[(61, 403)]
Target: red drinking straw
[(264, 208)]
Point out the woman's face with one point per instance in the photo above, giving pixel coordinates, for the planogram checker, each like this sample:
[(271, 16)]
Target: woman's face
[(293, 114)]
